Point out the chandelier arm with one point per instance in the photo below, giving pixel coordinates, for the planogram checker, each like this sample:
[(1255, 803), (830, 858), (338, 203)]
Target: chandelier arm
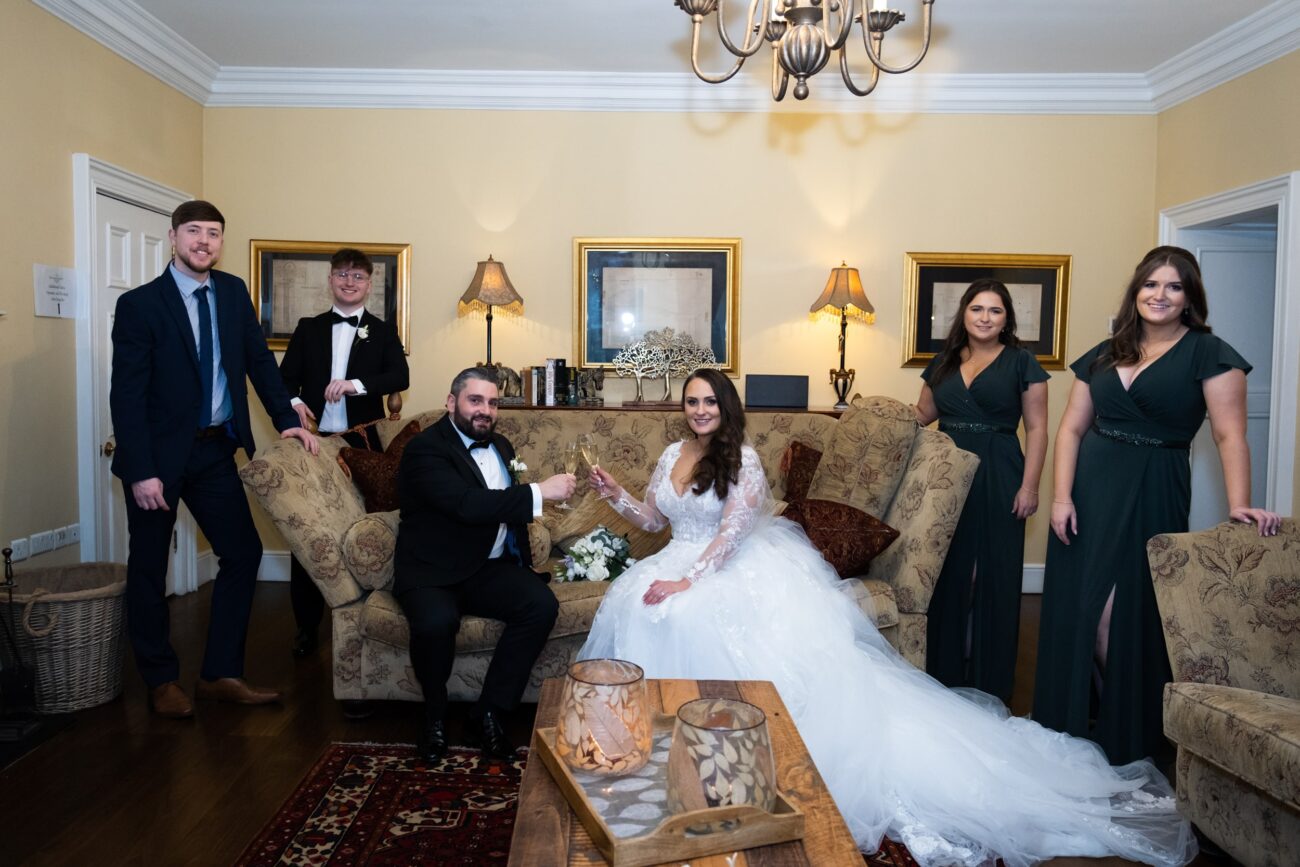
[(755, 28), (848, 14), (848, 78), (695, 60), (868, 38), (778, 75)]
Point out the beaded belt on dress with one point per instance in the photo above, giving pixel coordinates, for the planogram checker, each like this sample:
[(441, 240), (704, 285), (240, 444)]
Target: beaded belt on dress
[(1134, 439), (974, 427)]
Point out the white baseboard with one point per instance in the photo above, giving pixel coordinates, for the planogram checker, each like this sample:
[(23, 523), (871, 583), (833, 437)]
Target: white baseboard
[(1033, 580), (275, 566)]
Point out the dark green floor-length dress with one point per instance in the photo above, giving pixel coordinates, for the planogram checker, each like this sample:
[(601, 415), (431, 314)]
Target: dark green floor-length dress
[(982, 418), (1132, 482)]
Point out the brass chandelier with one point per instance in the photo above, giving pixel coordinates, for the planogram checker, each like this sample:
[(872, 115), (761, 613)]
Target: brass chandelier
[(803, 35)]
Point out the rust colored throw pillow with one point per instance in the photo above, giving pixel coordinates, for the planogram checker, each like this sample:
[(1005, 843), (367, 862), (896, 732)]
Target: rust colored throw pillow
[(848, 538), (375, 473), (798, 465)]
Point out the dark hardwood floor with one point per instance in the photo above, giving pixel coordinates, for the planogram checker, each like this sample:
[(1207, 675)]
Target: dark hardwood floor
[(122, 787)]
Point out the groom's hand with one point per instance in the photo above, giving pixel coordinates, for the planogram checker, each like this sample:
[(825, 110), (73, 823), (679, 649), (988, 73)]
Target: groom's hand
[(558, 487)]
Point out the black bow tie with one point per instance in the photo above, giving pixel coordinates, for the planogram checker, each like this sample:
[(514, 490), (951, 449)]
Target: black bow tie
[(336, 318), (479, 444)]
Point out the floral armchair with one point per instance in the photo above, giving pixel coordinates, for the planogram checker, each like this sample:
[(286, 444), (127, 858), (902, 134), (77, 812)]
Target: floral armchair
[(1230, 605)]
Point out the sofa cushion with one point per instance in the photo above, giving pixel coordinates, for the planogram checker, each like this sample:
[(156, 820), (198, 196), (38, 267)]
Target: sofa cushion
[(375, 473), (848, 538), (875, 598), (798, 466), (368, 549), (382, 619), (867, 455), (1252, 735), (590, 511)]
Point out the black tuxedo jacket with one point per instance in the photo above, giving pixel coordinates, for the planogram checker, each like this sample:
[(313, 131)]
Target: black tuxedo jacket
[(155, 393), (378, 361), (449, 515)]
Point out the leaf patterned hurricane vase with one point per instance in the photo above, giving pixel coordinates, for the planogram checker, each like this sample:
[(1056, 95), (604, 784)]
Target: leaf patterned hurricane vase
[(721, 756), (604, 725)]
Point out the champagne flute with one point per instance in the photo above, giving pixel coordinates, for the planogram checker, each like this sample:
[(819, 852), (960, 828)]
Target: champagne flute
[(570, 467), (590, 450)]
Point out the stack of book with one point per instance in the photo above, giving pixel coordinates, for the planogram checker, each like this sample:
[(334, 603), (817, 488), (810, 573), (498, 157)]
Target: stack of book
[(551, 384)]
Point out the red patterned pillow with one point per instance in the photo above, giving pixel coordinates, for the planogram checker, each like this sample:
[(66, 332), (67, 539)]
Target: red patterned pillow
[(375, 473), (798, 464), (848, 538)]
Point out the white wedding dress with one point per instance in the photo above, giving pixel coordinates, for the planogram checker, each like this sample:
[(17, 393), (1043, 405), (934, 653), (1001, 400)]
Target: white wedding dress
[(948, 773)]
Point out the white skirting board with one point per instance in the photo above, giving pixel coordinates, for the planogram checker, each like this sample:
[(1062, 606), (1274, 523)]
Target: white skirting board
[(275, 566), (1032, 582)]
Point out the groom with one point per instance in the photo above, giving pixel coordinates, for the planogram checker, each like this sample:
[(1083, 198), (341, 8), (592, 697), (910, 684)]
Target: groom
[(462, 548)]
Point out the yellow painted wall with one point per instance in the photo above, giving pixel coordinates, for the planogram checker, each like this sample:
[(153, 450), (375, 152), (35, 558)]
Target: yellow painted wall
[(62, 93), (802, 192), (1242, 132)]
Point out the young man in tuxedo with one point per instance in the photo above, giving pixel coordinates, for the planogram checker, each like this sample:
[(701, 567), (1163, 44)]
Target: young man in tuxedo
[(184, 347), (337, 368), (462, 548)]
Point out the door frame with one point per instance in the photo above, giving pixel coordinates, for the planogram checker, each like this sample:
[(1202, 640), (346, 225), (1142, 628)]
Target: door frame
[(91, 178), (1283, 193)]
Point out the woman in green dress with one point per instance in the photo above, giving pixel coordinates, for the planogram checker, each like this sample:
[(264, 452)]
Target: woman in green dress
[(1122, 475), (979, 387)]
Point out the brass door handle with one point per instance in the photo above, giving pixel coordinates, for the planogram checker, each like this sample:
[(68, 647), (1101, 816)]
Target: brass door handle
[(107, 449)]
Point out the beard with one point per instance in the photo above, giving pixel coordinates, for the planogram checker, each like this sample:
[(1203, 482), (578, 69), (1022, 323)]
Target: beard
[(466, 425)]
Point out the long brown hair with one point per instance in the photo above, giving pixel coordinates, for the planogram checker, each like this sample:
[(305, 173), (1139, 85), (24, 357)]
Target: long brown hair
[(958, 339), (1125, 344), (719, 466)]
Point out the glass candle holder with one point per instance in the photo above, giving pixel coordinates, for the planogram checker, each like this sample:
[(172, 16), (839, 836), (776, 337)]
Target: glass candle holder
[(605, 718), (721, 756)]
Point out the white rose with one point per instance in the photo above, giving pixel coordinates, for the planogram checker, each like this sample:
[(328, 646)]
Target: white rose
[(597, 572)]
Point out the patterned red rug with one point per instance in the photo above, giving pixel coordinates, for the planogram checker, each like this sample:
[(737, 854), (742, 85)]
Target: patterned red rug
[(378, 805)]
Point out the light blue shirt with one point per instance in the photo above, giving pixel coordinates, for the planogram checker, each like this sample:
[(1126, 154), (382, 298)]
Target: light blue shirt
[(221, 405), (497, 475)]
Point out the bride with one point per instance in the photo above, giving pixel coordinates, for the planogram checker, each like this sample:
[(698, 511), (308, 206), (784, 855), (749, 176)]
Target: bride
[(740, 595)]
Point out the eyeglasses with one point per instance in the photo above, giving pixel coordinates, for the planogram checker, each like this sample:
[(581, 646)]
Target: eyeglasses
[(354, 276)]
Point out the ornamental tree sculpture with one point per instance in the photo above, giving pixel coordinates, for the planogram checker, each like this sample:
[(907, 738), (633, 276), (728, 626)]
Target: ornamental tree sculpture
[(684, 356), (640, 359)]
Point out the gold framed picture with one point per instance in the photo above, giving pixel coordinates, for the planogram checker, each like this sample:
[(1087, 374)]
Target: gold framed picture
[(625, 287), (289, 280), (1040, 290)]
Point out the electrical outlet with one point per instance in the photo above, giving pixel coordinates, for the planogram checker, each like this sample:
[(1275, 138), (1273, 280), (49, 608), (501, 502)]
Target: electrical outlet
[(74, 534), (42, 542), (60, 537), (22, 549)]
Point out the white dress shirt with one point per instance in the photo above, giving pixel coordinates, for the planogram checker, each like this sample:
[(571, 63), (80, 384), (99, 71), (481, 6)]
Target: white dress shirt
[(493, 467)]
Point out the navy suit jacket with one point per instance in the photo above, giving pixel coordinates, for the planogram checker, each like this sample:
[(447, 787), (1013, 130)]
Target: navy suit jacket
[(155, 395), (378, 361)]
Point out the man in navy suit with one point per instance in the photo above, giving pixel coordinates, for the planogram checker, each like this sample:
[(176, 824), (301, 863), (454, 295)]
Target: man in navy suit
[(462, 548), (337, 368), (183, 347)]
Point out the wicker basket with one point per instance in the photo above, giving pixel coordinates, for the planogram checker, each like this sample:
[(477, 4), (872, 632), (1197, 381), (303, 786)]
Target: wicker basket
[(70, 630)]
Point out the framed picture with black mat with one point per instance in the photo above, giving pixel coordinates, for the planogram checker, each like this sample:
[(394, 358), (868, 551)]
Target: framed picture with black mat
[(1040, 291)]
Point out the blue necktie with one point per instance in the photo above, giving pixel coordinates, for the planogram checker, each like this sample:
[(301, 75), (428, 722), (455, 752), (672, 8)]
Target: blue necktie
[(205, 355)]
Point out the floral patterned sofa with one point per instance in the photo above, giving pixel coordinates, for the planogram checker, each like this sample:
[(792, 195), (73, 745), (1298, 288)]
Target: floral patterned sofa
[(1230, 602), (875, 458)]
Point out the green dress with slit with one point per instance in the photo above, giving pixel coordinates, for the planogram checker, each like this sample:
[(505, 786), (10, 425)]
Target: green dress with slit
[(989, 542), (1132, 481)]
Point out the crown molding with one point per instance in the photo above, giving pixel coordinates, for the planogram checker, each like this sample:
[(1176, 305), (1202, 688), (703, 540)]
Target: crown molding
[(1252, 42), (135, 34)]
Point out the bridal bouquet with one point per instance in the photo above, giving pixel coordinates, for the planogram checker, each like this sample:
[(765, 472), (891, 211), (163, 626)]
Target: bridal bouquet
[(598, 556)]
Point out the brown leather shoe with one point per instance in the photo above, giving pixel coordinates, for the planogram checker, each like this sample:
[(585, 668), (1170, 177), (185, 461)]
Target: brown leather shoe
[(235, 689), (170, 700)]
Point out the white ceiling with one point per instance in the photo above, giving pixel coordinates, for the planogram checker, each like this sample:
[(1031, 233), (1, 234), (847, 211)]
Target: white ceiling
[(986, 55)]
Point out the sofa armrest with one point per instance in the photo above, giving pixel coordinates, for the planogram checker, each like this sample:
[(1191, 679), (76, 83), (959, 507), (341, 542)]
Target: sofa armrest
[(313, 505), (924, 511), (1230, 605)]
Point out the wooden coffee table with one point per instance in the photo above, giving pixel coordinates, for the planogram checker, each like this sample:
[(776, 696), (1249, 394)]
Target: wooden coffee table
[(548, 833)]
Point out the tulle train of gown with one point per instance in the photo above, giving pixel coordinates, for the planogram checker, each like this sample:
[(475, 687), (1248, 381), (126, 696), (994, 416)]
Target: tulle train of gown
[(948, 773)]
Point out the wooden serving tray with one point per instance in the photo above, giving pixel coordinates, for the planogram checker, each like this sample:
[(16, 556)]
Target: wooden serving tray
[(670, 840)]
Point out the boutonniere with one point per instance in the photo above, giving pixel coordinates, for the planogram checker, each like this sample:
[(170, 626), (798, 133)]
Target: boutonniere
[(517, 468), (363, 333)]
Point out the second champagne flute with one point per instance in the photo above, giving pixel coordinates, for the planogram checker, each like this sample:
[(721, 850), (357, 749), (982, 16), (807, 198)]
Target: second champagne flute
[(570, 467)]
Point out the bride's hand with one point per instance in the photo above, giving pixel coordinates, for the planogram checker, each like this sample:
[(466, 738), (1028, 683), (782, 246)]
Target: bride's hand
[(661, 590), (604, 484)]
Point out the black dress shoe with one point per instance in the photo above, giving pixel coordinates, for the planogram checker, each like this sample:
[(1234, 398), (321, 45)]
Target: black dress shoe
[(433, 742), (305, 643), (491, 738)]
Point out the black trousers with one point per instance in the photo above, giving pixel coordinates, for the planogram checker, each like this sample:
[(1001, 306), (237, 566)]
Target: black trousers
[(502, 590), (308, 604), (210, 488)]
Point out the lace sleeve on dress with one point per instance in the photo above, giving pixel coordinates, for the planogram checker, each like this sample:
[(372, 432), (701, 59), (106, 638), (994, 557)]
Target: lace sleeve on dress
[(645, 515), (748, 500)]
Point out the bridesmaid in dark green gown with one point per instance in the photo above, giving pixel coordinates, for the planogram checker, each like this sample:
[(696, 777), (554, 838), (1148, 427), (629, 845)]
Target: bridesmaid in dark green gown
[(1122, 475), (978, 387)]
